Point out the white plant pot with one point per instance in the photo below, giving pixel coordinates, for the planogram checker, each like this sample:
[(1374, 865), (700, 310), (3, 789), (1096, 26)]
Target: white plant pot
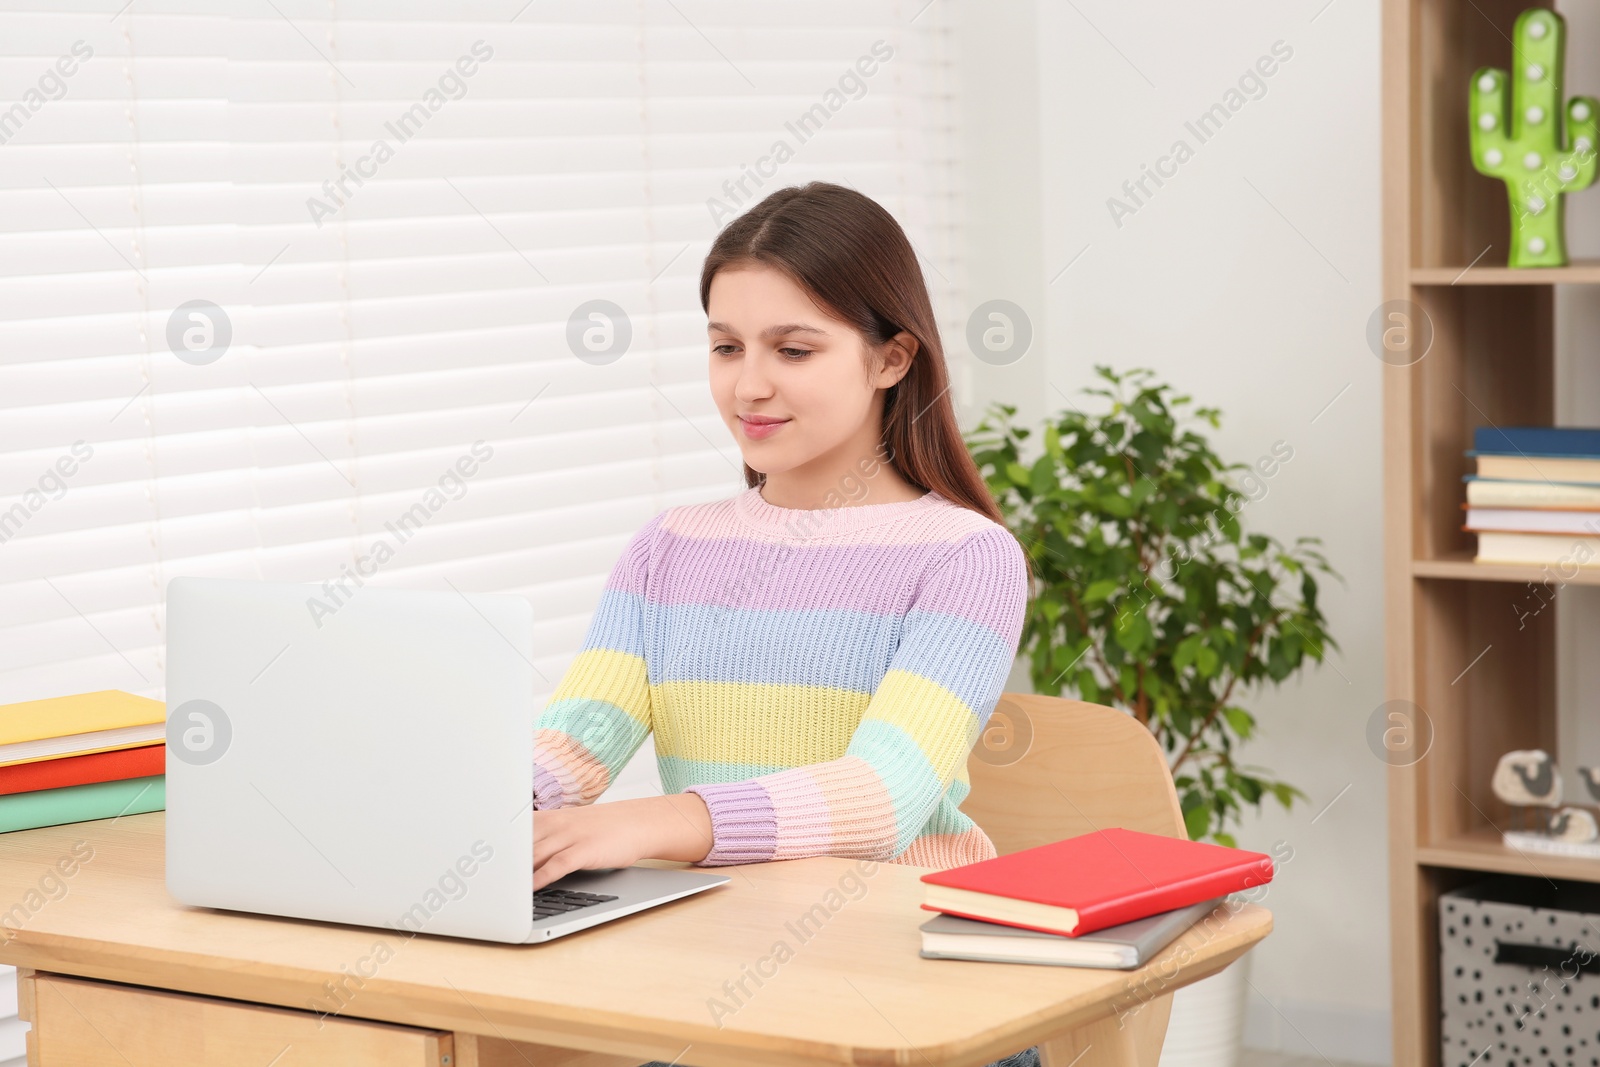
[(1206, 1028)]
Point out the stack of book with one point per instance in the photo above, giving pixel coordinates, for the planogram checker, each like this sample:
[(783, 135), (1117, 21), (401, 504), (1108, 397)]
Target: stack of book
[(1536, 495), (87, 756), (1111, 898)]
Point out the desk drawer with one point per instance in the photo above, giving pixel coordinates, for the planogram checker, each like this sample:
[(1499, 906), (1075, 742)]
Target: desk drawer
[(78, 1022)]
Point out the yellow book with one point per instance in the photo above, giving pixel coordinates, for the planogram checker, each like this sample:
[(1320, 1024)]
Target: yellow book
[(78, 724)]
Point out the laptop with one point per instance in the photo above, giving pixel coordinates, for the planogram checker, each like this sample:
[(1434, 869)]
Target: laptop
[(364, 755)]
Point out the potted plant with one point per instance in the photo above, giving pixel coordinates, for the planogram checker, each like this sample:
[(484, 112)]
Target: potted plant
[(1149, 596)]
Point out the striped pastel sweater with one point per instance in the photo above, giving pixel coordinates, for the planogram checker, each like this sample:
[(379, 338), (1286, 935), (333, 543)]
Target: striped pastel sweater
[(817, 677)]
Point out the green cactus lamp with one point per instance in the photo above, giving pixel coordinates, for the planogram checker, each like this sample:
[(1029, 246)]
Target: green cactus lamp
[(1522, 144)]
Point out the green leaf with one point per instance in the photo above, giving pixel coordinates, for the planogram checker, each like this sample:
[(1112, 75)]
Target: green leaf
[(1197, 821), (1239, 720), (1186, 650), (1042, 478), (1134, 632), (1100, 590), (1119, 507), (1249, 789)]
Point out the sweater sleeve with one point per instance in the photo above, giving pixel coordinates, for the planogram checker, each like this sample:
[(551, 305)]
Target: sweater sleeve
[(599, 714), (957, 644)]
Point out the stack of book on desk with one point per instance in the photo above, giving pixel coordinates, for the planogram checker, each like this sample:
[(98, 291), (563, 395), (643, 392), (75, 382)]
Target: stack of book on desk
[(1111, 898), (1536, 495), (87, 756)]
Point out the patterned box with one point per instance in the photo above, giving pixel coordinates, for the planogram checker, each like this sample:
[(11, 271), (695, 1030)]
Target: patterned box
[(1519, 973)]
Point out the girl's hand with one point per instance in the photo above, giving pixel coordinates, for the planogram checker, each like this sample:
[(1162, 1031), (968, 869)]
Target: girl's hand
[(619, 833)]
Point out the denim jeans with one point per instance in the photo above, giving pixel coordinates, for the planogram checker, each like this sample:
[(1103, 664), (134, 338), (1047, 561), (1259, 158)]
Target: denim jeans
[(1028, 1057)]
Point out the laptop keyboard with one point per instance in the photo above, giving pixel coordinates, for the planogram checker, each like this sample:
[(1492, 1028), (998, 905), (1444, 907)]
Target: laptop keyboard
[(551, 902)]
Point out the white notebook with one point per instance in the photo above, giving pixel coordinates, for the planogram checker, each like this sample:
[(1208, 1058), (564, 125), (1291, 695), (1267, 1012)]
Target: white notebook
[(952, 937)]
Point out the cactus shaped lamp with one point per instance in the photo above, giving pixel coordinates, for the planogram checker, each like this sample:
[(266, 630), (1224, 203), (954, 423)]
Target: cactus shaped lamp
[(1522, 144)]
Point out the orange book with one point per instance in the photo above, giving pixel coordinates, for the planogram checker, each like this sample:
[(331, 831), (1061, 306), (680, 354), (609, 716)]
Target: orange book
[(141, 762)]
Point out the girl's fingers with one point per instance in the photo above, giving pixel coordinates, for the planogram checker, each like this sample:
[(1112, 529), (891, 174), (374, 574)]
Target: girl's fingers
[(557, 866), (548, 838)]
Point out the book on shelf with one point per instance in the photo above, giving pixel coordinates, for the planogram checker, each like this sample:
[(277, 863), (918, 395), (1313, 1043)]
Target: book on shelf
[(141, 762), (1562, 549), (1537, 440), (1536, 495), (79, 724), (1519, 493), (81, 803), (1530, 468), (1124, 946), (1533, 520), (1092, 881)]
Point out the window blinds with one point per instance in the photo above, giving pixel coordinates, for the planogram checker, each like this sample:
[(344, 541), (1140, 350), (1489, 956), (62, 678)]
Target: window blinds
[(396, 292)]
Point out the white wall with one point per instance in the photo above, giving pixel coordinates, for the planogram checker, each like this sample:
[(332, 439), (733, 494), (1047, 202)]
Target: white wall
[(1246, 280)]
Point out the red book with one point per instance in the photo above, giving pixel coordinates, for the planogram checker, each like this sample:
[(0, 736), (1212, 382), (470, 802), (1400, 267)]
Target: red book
[(1093, 881), (110, 766)]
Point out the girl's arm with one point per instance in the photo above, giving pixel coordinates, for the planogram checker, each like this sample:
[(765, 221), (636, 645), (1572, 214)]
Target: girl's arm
[(600, 713), (956, 649)]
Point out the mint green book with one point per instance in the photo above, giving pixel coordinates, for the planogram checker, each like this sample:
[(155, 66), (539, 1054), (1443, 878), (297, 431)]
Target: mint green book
[(80, 803)]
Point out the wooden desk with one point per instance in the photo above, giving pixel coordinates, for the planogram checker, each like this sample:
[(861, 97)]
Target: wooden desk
[(847, 988)]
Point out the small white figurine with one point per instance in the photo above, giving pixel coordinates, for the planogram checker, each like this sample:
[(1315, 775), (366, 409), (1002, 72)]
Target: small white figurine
[(1527, 777), (1574, 825)]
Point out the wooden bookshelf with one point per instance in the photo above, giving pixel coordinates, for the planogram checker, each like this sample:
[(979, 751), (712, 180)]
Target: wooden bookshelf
[(1455, 645), (1459, 565), (1481, 850), (1575, 273)]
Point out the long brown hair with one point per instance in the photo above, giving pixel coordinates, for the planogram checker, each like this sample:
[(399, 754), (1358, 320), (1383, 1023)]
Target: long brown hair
[(854, 259)]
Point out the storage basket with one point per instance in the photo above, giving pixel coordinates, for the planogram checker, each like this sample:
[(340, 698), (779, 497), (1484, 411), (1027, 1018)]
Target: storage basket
[(1519, 973)]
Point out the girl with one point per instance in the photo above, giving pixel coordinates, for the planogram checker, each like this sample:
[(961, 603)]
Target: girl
[(816, 655)]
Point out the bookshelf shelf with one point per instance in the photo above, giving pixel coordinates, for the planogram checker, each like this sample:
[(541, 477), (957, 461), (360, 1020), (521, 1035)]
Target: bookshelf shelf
[(1460, 566), (1481, 850), (1467, 644), (1578, 272)]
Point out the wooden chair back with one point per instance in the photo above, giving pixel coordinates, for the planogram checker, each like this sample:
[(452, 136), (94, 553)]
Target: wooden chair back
[(1047, 768)]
